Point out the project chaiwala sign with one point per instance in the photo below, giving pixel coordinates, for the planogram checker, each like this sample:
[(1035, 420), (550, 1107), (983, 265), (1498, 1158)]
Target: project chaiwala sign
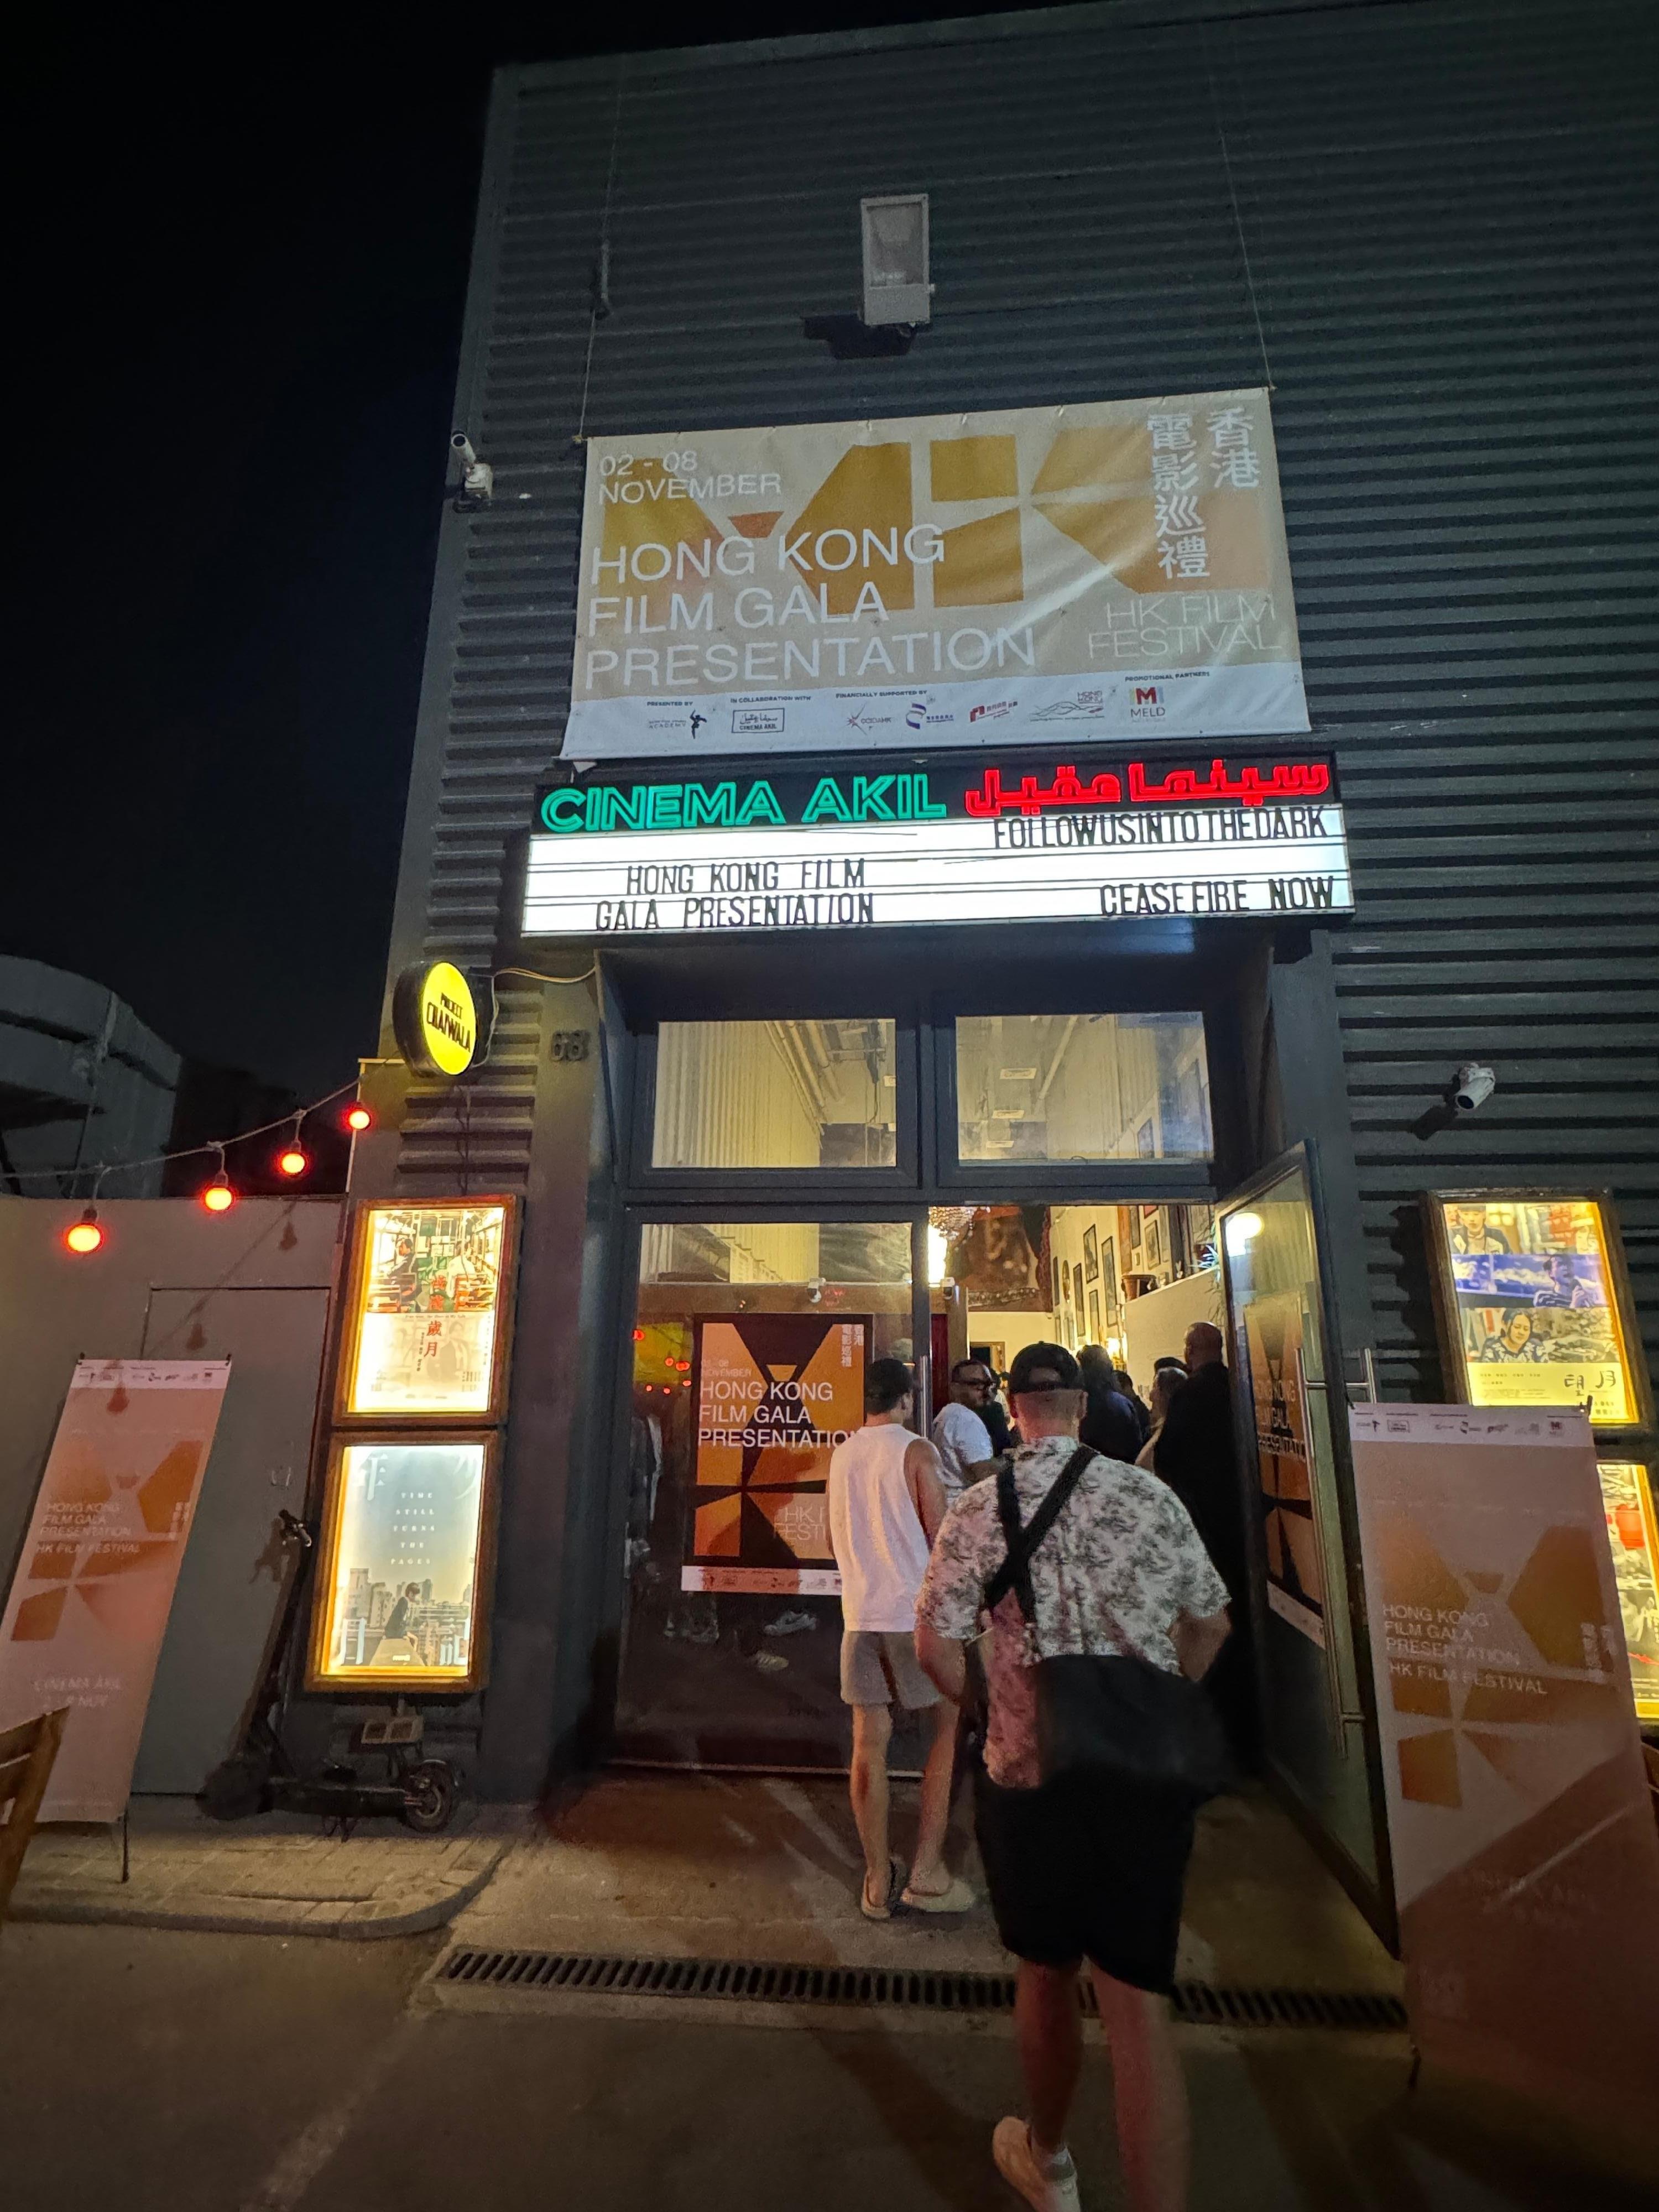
[(941, 841)]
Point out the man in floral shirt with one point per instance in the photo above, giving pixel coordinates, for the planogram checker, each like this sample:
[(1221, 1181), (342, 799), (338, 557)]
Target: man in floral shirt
[(1087, 1866)]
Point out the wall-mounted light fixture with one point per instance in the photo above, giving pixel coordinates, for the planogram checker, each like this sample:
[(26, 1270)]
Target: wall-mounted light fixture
[(896, 259)]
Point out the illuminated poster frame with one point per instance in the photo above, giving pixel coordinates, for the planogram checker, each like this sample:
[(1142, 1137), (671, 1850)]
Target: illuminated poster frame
[(1476, 1380), (1633, 1538), (455, 1410), (325, 1672)]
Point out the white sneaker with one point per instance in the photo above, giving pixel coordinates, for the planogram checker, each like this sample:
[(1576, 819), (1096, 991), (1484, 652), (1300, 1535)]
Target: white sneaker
[(1049, 2187)]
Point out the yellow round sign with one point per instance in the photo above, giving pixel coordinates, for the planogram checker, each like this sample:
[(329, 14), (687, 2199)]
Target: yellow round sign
[(436, 1018)]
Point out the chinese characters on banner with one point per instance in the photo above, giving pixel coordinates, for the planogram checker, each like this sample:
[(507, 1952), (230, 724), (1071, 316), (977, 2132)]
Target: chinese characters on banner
[(1525, 1857), (1100, 569), (429, 1309), (774, 1394), (1532, 1313), (89, 1606), (1295, 1574)]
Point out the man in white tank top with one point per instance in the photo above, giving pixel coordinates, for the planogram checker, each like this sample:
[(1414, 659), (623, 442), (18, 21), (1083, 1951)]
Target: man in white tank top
[(886, 1500)]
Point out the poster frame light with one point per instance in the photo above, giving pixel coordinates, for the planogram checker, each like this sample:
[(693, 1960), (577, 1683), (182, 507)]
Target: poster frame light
[(358, 1681), (354, 1288), (1458, 1370)]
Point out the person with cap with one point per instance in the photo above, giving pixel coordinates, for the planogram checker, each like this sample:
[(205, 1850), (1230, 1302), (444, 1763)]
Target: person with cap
[(1086, 1866)]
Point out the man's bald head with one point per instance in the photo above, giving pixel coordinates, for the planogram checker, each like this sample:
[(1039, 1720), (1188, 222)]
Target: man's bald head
[(1206, 1346)]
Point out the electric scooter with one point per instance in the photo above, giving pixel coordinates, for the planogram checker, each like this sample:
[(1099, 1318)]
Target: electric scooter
[(422, 1793)]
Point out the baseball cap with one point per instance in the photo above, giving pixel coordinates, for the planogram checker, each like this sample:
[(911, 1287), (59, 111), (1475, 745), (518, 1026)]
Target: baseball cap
[(1043, 1367)]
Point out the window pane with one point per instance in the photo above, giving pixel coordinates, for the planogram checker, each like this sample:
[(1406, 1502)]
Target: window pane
[(775, 1094), (1082, 1087), (751, 1341)]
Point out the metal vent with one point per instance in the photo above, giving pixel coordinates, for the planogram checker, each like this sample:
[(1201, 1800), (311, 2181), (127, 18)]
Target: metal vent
[(757, 1981)]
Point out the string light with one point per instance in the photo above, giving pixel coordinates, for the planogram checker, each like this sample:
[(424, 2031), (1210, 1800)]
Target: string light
[(217, 1196), (86, 1235), (359, 1118), (294, 1160)]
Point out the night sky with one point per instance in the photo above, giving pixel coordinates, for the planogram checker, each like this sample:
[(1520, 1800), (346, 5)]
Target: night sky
[(238, 273)]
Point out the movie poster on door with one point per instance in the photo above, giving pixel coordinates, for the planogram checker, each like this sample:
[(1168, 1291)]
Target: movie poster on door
[(1526, 1862), (88, 1606), (423, 1335), (1111, 568), (1296, 1572), (774, 1394)]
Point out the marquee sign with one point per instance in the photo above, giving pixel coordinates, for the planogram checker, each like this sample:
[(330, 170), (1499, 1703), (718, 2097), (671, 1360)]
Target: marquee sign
[(946, 841), (852, 586)]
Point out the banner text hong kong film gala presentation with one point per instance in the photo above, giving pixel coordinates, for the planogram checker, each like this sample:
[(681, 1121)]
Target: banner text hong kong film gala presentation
[(1106, 568)]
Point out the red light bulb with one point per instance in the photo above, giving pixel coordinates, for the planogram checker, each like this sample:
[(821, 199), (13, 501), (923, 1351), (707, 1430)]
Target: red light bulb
[(85, 1235), (292, 1161), (359, 1118)]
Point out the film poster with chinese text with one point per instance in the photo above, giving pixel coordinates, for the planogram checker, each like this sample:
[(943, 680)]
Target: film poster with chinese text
[(431, 1308), (1536, 1318)]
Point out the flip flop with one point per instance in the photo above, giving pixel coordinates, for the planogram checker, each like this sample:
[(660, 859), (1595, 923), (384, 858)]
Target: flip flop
[(955, 1897), (895, 1890)]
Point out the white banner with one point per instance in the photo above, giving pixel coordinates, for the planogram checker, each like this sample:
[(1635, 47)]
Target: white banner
[(857, 585), (88, 1606)]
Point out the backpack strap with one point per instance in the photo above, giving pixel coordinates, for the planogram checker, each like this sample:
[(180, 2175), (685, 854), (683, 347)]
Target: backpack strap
[(1015, 1572)]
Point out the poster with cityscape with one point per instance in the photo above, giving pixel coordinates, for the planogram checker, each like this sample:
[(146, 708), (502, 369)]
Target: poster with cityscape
[(1530, 1304), (404, 1553), (425, 1322)]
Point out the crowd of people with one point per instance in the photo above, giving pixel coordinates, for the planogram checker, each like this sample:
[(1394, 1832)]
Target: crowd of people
[(1081, 1519)]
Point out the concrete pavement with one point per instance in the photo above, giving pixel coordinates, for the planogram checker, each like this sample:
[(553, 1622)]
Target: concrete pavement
[(278, 1873), (166, 2072)]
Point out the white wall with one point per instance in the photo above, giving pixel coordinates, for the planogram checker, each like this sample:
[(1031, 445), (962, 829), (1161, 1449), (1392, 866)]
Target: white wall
[(1156, 1324)]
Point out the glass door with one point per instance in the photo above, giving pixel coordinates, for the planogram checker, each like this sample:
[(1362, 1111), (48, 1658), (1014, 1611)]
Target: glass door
[(750, 1339), (1304, 1575)]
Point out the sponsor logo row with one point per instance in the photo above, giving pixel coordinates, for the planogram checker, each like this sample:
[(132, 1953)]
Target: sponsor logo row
[(1146, 703)]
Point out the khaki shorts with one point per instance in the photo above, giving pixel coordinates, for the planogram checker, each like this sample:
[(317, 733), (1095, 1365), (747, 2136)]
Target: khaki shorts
[(879, 1667)]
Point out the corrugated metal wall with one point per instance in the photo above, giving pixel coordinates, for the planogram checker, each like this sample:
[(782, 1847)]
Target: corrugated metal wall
[(1429, 226)]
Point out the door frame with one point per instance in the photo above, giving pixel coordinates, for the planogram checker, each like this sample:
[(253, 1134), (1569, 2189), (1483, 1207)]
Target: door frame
[(1375, 1900)]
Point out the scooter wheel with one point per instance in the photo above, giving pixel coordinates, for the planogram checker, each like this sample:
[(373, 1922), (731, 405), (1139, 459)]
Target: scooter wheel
[(429, 1797)]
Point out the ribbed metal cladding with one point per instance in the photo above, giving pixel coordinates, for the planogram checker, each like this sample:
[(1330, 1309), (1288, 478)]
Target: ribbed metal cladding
[(1429, 226)]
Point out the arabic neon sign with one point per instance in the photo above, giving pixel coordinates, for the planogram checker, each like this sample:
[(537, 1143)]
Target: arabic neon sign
[(922, 795)]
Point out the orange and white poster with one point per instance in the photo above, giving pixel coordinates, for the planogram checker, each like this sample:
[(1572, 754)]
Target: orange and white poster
[(1109, 569), (88, 1604), (1526, 1861), (774, 1394), (1295, 1574)]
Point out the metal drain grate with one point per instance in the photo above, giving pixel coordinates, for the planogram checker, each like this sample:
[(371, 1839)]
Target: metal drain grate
[(873, 1988)]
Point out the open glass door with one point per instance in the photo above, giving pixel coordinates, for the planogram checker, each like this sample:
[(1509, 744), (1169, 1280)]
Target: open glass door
[(1303, 1570)]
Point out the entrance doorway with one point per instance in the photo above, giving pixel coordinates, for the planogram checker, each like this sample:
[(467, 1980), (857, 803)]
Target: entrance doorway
[(903, 1175), (749, 1344)]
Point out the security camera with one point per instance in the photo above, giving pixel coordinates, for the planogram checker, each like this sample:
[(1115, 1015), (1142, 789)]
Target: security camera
[(478, 478), (1471, 1086)]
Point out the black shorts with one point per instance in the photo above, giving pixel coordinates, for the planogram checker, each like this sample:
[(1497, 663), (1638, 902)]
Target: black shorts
[(1086, 1868)]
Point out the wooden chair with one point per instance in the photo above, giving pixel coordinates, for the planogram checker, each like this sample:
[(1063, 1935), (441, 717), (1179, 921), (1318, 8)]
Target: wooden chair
[(26, 1753)]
